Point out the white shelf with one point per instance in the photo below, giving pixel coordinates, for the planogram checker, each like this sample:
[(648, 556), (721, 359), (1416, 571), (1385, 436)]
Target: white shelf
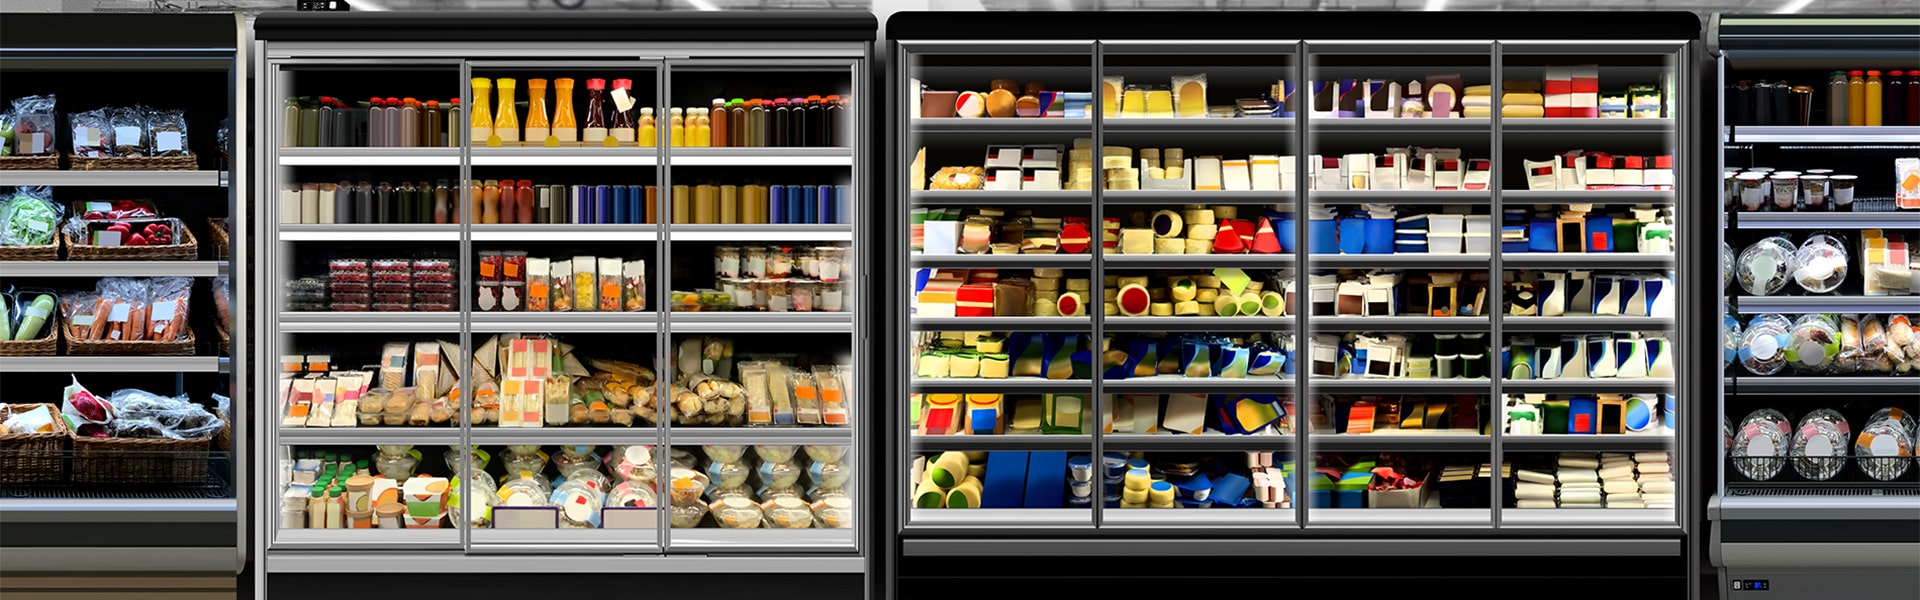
[(1000, 198), (353, 232), (1165, 197), (1003, 261), (369, 157), (760, 233), (764, 322), (114, 178), (1236, 519), (1826, 304), (1839, 220), (369, 322), (1400, 260), (760, 157), (704, 539), (569, 435), (805, 436), (1513, 198), (565, 322), (570, 156), (1462, 197), (988, 443), (292, 436), (361, 539), (1586, 260), (1198, 125), (565, 233), (1198, 324), (110, 364), (1401, 518), (1824, 134), (114, 268), (1587, 517)]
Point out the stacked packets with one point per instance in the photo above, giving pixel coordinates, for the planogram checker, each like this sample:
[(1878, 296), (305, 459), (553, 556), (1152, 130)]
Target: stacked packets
[(1579, 479), (1536, 489), (1655, 477), (1618, 479)]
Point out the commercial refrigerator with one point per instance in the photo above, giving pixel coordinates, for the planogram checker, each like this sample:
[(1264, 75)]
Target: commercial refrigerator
[(1487, 272), (147, 494), (618, 256), (1817, 486)]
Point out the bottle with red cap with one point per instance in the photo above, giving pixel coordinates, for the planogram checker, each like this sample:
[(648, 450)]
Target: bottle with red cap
[(454, 128), (1896, 101), (376, 123), (409, 132), (623, 101)]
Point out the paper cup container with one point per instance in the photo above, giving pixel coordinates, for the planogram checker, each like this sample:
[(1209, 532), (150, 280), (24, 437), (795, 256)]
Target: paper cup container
[(1081, 489), (432, 522), (1081, 467), (360, 520), (1323, 236)]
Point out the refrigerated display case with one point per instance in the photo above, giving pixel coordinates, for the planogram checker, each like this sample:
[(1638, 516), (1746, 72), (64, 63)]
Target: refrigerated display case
[(618, 257), (1821, 209), (1459, 252), (140, 472)]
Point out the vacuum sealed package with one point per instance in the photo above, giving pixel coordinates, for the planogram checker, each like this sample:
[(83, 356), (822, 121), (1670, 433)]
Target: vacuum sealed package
[(129, 125), (168, 302), (1764, 267), (1820, 264), (29, 217), (1763, 345), (92, 135), (34, 122), (167, 133), (1726, 265)]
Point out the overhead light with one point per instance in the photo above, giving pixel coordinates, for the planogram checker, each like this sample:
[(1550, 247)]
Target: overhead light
[(367, 5), (1436, 4), (703, 4), (1793, 6)]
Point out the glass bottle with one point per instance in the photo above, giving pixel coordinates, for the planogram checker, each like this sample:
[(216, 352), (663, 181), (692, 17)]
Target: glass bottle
[(676, 124), (524, 202), (718, 115), (836, 121), (309, 123), (782, 122), (363, 204), (325, 130), (290, 123), (1896, 98), (362, 114), (1874, 116), (1913, 97), (423, 208), (819, 121), (410, 123), (403, 201), (703, 129), (1856, 98), (596, 125), (391, 123), (441, 203), (737, 123), (476, 197), (430, 128), (757, 119), (538, 127), (343, 122), (382, 203), (490, 203), (482, 123), (452, 126), (623, 101), (803, 127), (564, 126), (508, 196), (1837, 98), (649, 133), (506, 120)]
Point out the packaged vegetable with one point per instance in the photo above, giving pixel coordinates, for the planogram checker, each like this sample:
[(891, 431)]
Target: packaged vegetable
[(6, 133), (634, 276), (167, 319), (34, 124), (221, 299), (610, 287), (31, 316), (77, 309), (138, 413), (124, 304), (129, 124), (92, 135), (6, 316), (29, 217), (86, 414), (167, 133)]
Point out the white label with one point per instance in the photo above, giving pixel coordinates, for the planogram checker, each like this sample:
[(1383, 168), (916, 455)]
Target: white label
[(164, 311), (33, 311), (86, 136), (167, 141), (82, 320), (1760, 446), (621, 101), (1819, 445), (1812, 354), (1765, 347), (38, 226), (1884, 445), (119, 313), (126, 135)]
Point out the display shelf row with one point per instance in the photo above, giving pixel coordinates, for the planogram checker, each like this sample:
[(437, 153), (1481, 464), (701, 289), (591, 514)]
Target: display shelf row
[(112, 268), (1775, 221), (617, 156), (564, 322), (1509, 324), (1373, 442), (144, 179), (116, 364), (1863, 384), (924, 519), (1282, 124), (1527, 260), (300, 436), (1824, 304), (1198, 385), (1159, 197), (565, 233), (1820, 134)]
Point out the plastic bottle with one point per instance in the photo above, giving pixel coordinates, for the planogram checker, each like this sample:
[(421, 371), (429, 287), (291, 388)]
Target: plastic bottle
[(336, 507), (1837, 98), (718, 114), (1896, 101), (1874, 88), (596, 126), (442, 206), (704, 133), (363, 204), (523, 205), (833, 130), (799, 121), (325, 130), (508, 196), (564, 126), (423, 201), (343, 122), (476, 196), (1913, 97), (817, 122), (410, 123), (782, 122), (506, 122), (392, 123), (757, 121), (1856, 98), (648, 132), (481, 125), (383, 209), (317, 507), (490, 203), (403, 202), (624, 128), (454, 137), (676, 132), (538, 127), (362, 116), (290, 123), (430, 127), (737, 123)]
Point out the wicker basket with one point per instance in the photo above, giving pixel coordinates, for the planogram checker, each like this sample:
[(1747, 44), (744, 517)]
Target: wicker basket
[(226, 342), (44, 162), (222, 242), (133, 163), (187, 249), (140, 460), (44, 252), (34, 457), (182, 347), (47, 345)]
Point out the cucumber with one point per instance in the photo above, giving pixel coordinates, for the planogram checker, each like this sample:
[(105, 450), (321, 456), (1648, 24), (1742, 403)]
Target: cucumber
[(34, 318)]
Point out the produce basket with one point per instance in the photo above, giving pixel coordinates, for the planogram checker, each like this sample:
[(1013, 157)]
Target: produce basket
[(222, 242), (188, 248), (226, 342), (133, 163), (34, 457), (43, 162), (181, 347), (47, 345), (141, 460)]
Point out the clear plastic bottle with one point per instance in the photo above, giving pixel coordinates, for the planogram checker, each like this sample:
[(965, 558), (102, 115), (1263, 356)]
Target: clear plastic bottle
[(317, 507), (595, 129), (481, 125), (309, 123), (325, 130), (564, 126), (648, 131), (718, 115), (1856, 98), (1837, 98), (442, 203), (835, 129), (677, 128), (538, 127), (757, 122), (393, 122), (508, 197), (506, 119), (290, 123), (336, 507), (523, 202), (490, 203), (410, 123), (1874, 89)]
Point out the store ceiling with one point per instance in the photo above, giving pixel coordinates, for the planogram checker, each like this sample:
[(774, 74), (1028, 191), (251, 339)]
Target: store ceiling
[(1703, 6)]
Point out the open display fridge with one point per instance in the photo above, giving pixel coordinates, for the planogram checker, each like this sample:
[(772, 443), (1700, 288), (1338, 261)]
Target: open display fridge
[(553, 285), (1820, 149), (1306, 288), (123, 253)]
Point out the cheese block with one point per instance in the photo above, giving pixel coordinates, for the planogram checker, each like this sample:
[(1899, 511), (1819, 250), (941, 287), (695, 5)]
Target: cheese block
[(1522, 98), (1236, 175), (1047, 273), (1522, 111), (1046, 306), (1477, 90), (928, 495), (1136, 241), (1167, 224), (967, 494), (1249, 303), (994, 366), (1272, 304), (1190, 96), (1162, 309), (1134, 300), (1169, 246), (1194, 246), (1202, 232), (1116, 157), (1079, 284), (1183, 289), (970, 104), (1477, 112), (949, 470), (1133, 103), (1206, 294), (1000, 104), (1226, 305), (1150, 157), (1206, 174), (1160, 104), (1070, 305), (1198, 216), (1111, 87)]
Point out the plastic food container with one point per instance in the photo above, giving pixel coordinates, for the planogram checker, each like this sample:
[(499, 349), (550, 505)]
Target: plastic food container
[(1764, 267), (826, 453), (725, 453), (1820, 264), (829, 475), (1726, 265), (1760, 444), (1819, 445), (1814, 344), (686, 516), (779, 474), (737, 513), (1884, 449), (788, 513), (834, 513), (777, 454), (1763, 345), (728, 474)]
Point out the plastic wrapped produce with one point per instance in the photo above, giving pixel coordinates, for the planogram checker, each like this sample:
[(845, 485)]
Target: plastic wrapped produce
[(1760, 445), (1763, 268), (1818, 444), (1726, 432), (1884, 449), (1726, 265), (1820, 264), (1814, 344), (1731, 340), (1762, 346)]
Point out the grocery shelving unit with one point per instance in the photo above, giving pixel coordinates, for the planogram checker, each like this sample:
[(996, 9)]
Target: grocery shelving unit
[(948, 51), (672, 57), (1796, 533), (196, 63)]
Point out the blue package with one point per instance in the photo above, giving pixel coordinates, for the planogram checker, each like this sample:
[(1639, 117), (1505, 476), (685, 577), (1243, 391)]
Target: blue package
[(823, 205), (1543, 235), (809, 205), (777, 204), (636, 204), (796, 204), (620, 214), (582, 204), (603, 204), (840, 211)]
